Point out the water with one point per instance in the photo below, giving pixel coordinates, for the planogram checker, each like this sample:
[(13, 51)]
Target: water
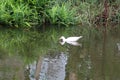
[(41, 57)]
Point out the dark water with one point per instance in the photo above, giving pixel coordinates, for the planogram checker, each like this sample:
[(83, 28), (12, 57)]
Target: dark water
[(43, 58)]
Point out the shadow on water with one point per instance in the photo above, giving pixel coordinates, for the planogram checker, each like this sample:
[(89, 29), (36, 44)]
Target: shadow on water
[(26, 55)]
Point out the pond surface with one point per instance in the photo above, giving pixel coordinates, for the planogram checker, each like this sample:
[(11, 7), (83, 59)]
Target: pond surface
[(39, 56)]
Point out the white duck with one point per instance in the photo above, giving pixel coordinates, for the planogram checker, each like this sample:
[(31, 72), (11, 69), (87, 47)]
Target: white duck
[(69, 39)]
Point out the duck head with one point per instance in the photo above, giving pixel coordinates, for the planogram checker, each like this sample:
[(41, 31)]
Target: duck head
[(62, 40)]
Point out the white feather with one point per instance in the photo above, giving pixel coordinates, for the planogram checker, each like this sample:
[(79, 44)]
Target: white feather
[(73, 38), (70, 40)]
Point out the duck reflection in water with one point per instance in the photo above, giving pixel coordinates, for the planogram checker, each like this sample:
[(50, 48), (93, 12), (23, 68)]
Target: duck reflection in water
[(118, 45), (70, 40)]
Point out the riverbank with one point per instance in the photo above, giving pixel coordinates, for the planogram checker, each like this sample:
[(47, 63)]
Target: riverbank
[(31, 13)]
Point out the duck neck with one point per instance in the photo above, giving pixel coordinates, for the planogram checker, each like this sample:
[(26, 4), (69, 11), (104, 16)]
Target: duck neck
[(64, 40)]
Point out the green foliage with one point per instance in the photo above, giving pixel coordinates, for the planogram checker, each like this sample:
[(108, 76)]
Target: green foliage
[(29, 13), (53, 14), (92, 1), (62, 14), (4, 15), (84, 12), (87, 12), (21, 15), (17, 14)]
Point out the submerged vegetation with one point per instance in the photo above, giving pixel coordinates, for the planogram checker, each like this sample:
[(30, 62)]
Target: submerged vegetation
[(30, 13)]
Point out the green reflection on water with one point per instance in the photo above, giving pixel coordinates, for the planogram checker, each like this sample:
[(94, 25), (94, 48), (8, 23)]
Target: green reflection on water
[(98, 59), (19, 48), (97, 51), (29, 44)]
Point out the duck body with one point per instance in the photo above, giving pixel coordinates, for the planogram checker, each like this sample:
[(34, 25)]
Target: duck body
[(69, 39), (73, 39)]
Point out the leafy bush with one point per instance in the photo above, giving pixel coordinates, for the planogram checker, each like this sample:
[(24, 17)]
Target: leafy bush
[(4, 13), (23, 15), (28, 13), (17, 14), (62, 14)]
